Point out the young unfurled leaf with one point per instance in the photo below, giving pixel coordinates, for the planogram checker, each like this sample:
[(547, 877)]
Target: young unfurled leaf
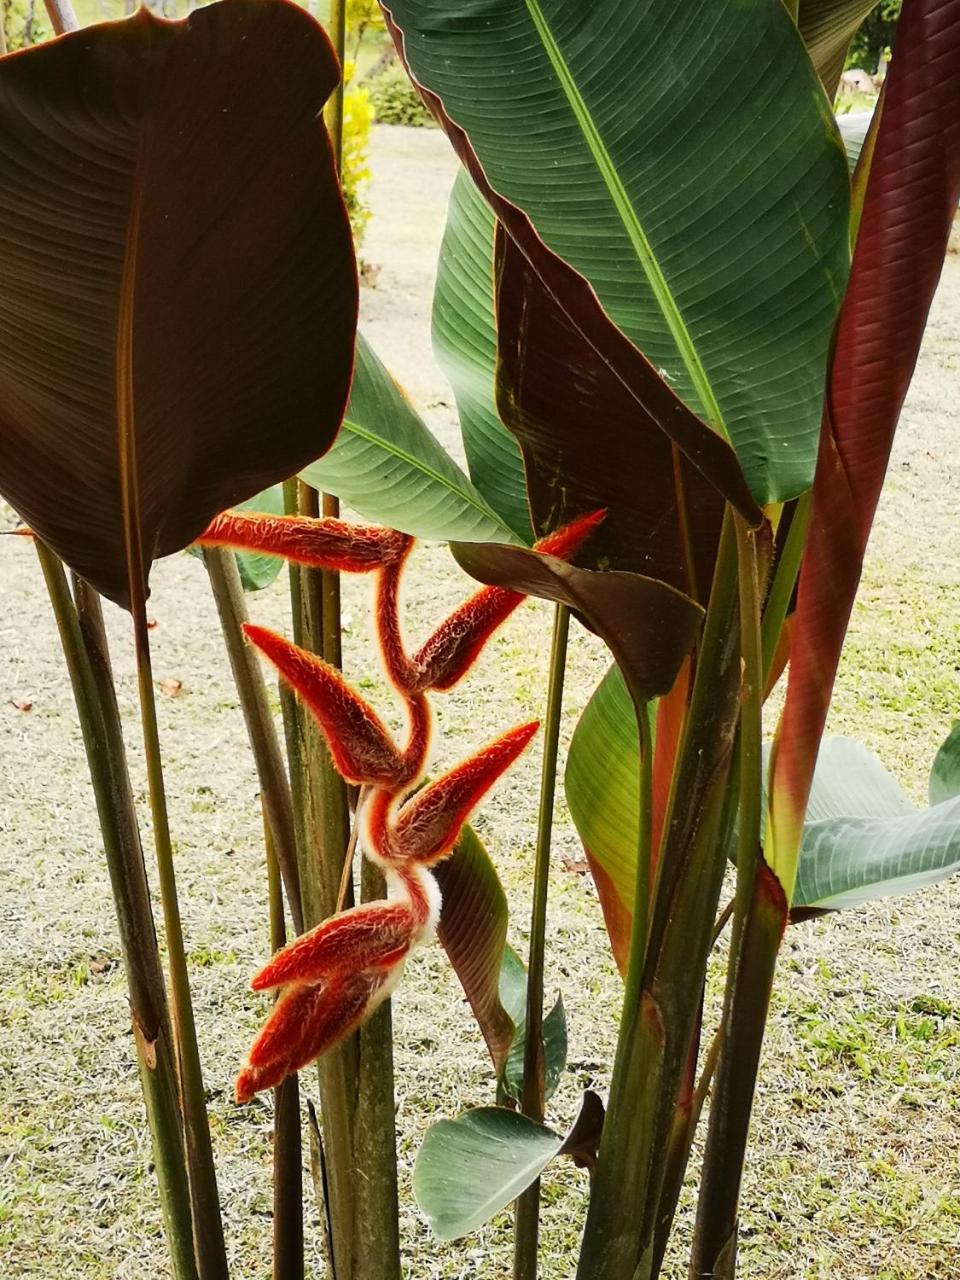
[(428, 825), (362, 749), (321, 544)]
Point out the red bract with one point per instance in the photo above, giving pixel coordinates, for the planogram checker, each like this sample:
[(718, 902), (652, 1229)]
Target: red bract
[(320, 544), (427, 826), (453, 648), (361, 747)]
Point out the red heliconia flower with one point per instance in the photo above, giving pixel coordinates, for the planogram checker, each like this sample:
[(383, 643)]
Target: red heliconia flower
[(453, 648), (318, 543), (335, 977), (362, 749), (308, 1020), (427, 826)]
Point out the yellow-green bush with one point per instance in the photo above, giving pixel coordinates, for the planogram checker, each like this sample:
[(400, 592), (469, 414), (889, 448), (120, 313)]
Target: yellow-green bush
[(357, 119)]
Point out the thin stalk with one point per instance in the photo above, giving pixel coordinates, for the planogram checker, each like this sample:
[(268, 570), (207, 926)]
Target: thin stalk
[(61, 15), (526, 1228), (208, 1225), (3, 31), (669, 954), (251, 689), (377, 1203), (351, 851), (287, 1142), (784, 581), (85, 652), (333, 113), (759, 917), (322, 828), (751, 729)]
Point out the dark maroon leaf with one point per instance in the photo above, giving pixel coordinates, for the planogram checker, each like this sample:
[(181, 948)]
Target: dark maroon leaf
[(911, 199), (648, 626), (176, 272), (587, 443)]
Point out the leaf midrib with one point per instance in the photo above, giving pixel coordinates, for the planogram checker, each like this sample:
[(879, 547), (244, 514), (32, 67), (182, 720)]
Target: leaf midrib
[(419, 465), (632, 225)]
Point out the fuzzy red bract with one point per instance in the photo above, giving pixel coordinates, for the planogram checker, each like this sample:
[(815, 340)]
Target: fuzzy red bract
[(360, 745), (375, 935), (324, 543), (427, 826)]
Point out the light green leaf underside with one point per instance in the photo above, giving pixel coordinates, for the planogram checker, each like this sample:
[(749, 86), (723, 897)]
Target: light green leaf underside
[(513, 997), (863, 838), (465, 345), (853, 131), (470, 1168), (257, 571), (601, 781), (387, 466), (945, 774), (704, 199)]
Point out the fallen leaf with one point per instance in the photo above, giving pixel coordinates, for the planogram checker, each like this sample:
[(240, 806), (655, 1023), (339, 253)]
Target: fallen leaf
[(151, 623), (576, 866), (171, 688), (21, 705)]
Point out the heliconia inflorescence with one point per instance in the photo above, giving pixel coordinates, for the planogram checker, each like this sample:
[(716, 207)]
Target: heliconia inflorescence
[(333, 977)]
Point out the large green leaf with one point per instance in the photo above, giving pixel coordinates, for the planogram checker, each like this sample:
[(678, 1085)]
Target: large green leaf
[(465, 343), (686, 164), (470, 1168), (258, 571), (388, 467), (602, 785), (177, 283), (850, 854)]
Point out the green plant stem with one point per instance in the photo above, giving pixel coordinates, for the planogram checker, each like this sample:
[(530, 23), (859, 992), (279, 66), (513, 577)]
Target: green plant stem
[(759, 917), (287, 1141), (208, 1225), (784, 581), (322, 829), (61, 15), (377, 1202), (668, 958), (84, 647), (274, 787), (526, 1230), (333, 113)]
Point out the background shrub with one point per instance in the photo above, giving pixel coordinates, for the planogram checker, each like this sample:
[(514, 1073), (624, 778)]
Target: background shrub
[(395, 101)]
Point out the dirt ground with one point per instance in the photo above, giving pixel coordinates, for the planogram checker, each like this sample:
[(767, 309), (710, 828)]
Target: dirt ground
[(856, 1156)]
